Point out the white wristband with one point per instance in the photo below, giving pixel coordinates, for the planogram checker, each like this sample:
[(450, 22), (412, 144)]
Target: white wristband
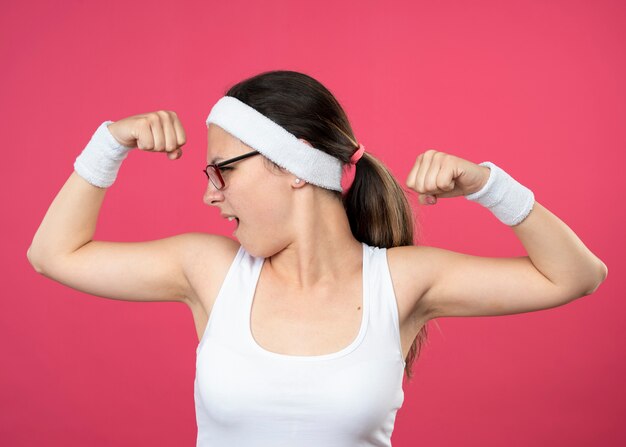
[(508, 200), (101, 159)]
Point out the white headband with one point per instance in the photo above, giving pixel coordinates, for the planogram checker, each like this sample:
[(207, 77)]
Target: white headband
[(276, 143)]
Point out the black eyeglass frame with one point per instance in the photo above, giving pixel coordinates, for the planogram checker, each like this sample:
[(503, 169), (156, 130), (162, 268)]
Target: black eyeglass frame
[(216, 168)]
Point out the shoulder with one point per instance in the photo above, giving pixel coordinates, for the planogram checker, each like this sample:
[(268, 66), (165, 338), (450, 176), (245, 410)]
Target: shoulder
[(410, 260), (413, 273), (204, 243), (206, 259)]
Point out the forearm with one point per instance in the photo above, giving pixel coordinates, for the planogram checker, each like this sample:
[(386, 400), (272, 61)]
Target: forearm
[(70, 221), (557, 252)]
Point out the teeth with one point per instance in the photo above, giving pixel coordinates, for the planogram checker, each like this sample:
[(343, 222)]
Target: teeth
[(230, 219)]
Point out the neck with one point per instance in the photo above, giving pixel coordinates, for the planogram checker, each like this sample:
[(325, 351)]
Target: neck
[(323, 249)]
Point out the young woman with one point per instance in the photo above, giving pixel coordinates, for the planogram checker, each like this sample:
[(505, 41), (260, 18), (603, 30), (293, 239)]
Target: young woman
[(308, 321)]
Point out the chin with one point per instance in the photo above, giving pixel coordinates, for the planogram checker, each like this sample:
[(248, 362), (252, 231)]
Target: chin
[(260, 249)]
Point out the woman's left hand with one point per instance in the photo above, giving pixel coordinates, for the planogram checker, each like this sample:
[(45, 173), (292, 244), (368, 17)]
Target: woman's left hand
[(437, 174)]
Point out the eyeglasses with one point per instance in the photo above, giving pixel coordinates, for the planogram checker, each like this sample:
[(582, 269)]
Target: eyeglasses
[(213, 173)]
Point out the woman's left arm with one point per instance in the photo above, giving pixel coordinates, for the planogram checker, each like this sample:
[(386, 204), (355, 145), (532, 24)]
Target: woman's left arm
[(558, 269)]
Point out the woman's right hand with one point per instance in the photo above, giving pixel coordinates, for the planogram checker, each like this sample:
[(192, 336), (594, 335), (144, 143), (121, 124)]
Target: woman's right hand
[(159, 131)]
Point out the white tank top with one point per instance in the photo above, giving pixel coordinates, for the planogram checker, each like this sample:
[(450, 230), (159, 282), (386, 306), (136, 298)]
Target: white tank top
[(248, 396)]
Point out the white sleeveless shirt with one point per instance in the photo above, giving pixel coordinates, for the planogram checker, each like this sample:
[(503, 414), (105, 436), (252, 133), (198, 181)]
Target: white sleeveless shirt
[(248, 396)]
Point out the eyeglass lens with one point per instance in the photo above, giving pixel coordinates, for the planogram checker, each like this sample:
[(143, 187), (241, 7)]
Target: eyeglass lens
[(214, 177)]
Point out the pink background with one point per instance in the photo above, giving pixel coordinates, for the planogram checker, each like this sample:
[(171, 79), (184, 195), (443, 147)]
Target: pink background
[(537, 87)]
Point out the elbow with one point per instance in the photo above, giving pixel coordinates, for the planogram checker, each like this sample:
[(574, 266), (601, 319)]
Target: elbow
[(603, 273), (43, 262), (33, 261)]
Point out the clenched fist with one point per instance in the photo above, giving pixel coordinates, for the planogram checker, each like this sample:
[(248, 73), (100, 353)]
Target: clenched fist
[(437, 174), (159, 131)]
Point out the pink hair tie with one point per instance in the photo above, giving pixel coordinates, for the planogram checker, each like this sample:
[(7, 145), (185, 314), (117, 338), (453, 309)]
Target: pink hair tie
[(349, 170), (358, 154)]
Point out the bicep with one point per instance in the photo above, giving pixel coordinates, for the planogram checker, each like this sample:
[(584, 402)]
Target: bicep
[(462, 285), (130, 271)]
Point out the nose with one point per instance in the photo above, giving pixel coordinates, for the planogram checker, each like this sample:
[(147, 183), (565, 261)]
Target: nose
[(212, 195)]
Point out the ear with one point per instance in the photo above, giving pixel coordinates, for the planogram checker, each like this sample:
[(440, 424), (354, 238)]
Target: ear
[(299, 184)]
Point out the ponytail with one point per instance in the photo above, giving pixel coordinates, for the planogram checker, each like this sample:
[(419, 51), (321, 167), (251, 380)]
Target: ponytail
[(380, 215)]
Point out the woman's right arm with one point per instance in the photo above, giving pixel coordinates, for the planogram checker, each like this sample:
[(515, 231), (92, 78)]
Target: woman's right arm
[(63, 250)]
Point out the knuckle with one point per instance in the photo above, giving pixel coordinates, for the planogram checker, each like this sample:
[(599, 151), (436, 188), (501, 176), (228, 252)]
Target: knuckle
[(145, 120), (153, 118)]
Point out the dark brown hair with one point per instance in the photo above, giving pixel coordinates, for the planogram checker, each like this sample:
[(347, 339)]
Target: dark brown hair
[(376, 204)]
